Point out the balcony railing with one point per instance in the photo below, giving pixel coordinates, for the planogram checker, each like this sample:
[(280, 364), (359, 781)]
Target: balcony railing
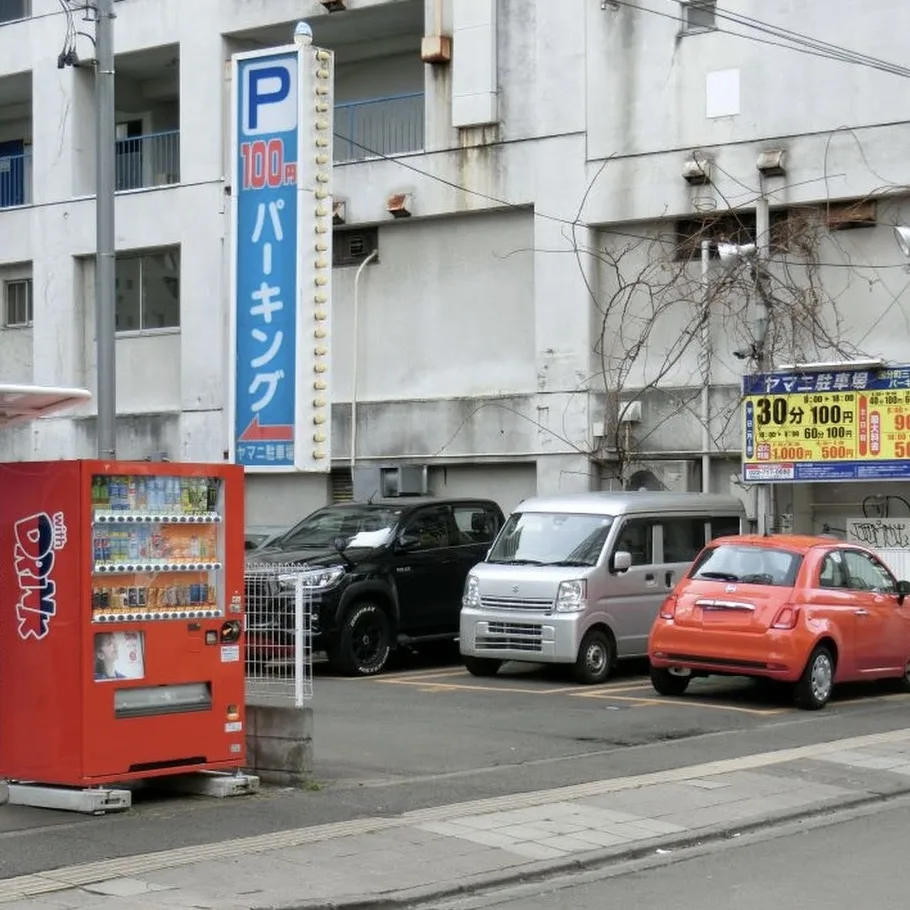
[(15, 180), (145, 161), (379, 127)]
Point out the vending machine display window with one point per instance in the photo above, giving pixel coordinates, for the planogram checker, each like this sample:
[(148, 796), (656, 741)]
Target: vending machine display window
[(156, 546)]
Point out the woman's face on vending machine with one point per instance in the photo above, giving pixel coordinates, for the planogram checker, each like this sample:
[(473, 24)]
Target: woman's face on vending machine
[(107, 652)]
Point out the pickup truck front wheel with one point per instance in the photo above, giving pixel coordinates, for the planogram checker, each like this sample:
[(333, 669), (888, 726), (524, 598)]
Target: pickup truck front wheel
[(365, 641)]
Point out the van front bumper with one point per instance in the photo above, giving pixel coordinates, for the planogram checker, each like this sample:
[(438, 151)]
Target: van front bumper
[(520, 635)]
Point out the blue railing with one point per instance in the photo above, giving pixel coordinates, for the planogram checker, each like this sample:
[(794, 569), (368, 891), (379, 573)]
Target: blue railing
[(378, 127), (150, 160), (15, 180)]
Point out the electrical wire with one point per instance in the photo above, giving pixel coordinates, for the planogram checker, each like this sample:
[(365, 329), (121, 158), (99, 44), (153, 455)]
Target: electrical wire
[(834, 51), (802, 45), (571, 223)]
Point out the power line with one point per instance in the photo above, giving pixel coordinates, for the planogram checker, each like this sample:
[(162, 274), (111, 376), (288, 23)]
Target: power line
[(577, 222), (803, 45), (838, 51)]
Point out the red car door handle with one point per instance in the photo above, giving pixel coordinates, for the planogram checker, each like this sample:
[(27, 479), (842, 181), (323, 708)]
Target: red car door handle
[(861, 612)]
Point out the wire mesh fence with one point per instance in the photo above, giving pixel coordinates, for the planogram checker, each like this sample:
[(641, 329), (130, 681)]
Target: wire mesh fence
[(279, 635)]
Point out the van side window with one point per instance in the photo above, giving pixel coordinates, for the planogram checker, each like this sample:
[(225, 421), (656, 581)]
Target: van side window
[(637, 537), (684, 538), (727, 526)]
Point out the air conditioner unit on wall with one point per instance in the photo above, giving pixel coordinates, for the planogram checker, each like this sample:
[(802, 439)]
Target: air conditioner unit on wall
[(388, 481), (678, 476)]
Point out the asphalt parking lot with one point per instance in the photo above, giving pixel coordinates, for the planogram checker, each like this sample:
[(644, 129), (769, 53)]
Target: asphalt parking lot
[(424, 721)]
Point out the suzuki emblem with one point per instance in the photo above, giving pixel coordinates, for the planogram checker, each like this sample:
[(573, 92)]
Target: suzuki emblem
[(514, 589)]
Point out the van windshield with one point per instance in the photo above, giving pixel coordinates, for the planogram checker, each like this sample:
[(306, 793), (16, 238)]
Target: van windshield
[(551, 539), (747, 565)]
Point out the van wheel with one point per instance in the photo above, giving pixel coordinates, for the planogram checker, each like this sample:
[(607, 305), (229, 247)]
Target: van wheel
[(814, 688), (595, 658), (482, 666), (667, 683), (365, 641)]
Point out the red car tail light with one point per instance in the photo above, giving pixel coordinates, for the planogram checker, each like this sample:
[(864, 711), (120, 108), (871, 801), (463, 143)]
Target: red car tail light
[(787, 617), (668, 608)]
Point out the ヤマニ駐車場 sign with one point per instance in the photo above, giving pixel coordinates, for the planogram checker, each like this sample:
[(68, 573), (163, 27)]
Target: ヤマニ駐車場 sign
[(847, 424)]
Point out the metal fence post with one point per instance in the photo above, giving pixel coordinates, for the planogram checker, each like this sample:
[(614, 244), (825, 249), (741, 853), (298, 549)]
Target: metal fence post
[(299, 641)]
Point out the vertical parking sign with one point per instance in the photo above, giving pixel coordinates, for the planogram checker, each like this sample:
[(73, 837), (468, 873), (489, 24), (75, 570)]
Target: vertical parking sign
[(281, 208)]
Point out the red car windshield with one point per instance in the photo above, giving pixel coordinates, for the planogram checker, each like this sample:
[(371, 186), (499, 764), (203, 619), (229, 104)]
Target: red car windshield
[(747, 565)]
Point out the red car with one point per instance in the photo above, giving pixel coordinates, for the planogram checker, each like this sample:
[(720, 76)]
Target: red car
[(810, 611)]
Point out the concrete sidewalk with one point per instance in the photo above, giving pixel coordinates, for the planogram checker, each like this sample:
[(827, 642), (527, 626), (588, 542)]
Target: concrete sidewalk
[(452, 849)]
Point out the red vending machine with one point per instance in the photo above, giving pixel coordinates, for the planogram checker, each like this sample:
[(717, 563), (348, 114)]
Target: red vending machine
[(121, 651)]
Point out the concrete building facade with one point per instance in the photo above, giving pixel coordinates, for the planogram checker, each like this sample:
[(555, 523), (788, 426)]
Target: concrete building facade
[(535, 323)]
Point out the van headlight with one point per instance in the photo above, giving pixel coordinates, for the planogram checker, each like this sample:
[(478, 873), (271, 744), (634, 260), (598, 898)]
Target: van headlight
[(312, 578), (471, 597), (572, 596)]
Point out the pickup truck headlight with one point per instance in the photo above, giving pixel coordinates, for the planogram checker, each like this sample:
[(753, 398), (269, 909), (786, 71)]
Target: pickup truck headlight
[(471, 598), (312, 578), (572, 596)]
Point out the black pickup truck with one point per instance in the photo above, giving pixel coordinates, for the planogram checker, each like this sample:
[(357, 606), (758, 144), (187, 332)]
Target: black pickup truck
[(376, 575)]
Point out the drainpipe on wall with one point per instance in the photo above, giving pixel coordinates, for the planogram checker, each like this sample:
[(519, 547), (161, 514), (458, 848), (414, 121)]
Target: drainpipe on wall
[(354, 357), (765, 496), (705, 357)]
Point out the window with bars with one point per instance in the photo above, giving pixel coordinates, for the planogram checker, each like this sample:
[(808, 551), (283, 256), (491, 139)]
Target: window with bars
[(148, 290), (17, 303), (698, 15)]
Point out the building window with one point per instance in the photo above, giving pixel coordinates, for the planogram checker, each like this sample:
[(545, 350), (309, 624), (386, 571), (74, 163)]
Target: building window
[(11, 10), (729, 228), (352, 247), (17, 303), (698, 15), (148, 290)]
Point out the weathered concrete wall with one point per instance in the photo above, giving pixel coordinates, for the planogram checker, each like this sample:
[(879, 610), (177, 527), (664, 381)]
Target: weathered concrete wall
[(279, 743)]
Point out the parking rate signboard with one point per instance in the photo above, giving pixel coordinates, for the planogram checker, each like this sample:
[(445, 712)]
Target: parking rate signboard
[(281, 259), (845, 424)]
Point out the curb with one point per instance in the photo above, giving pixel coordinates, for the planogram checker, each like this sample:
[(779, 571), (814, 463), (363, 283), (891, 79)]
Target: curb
[(537, 871)]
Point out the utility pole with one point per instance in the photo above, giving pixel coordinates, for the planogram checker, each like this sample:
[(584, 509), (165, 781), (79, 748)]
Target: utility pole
[(105, 250), (765, 496)]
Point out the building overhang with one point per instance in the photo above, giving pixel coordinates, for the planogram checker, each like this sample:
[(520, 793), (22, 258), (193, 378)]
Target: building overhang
[(21, 403)]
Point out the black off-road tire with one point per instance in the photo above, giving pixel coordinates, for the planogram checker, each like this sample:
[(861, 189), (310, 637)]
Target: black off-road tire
[(365, 641)]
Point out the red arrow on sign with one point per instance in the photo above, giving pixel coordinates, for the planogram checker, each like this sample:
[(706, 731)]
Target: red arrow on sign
[(256, 432)]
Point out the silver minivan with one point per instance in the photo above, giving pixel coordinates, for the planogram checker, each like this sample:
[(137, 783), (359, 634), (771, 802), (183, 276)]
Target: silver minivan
[(578, 579)]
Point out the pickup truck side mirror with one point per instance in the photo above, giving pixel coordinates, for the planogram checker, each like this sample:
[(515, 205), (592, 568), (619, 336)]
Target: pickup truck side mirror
[(621, 562), (903, 591)]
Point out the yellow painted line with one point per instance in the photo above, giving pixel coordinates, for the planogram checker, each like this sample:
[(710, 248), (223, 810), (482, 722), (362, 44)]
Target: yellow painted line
[(414, 675), (437, 684), (682, 701)]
